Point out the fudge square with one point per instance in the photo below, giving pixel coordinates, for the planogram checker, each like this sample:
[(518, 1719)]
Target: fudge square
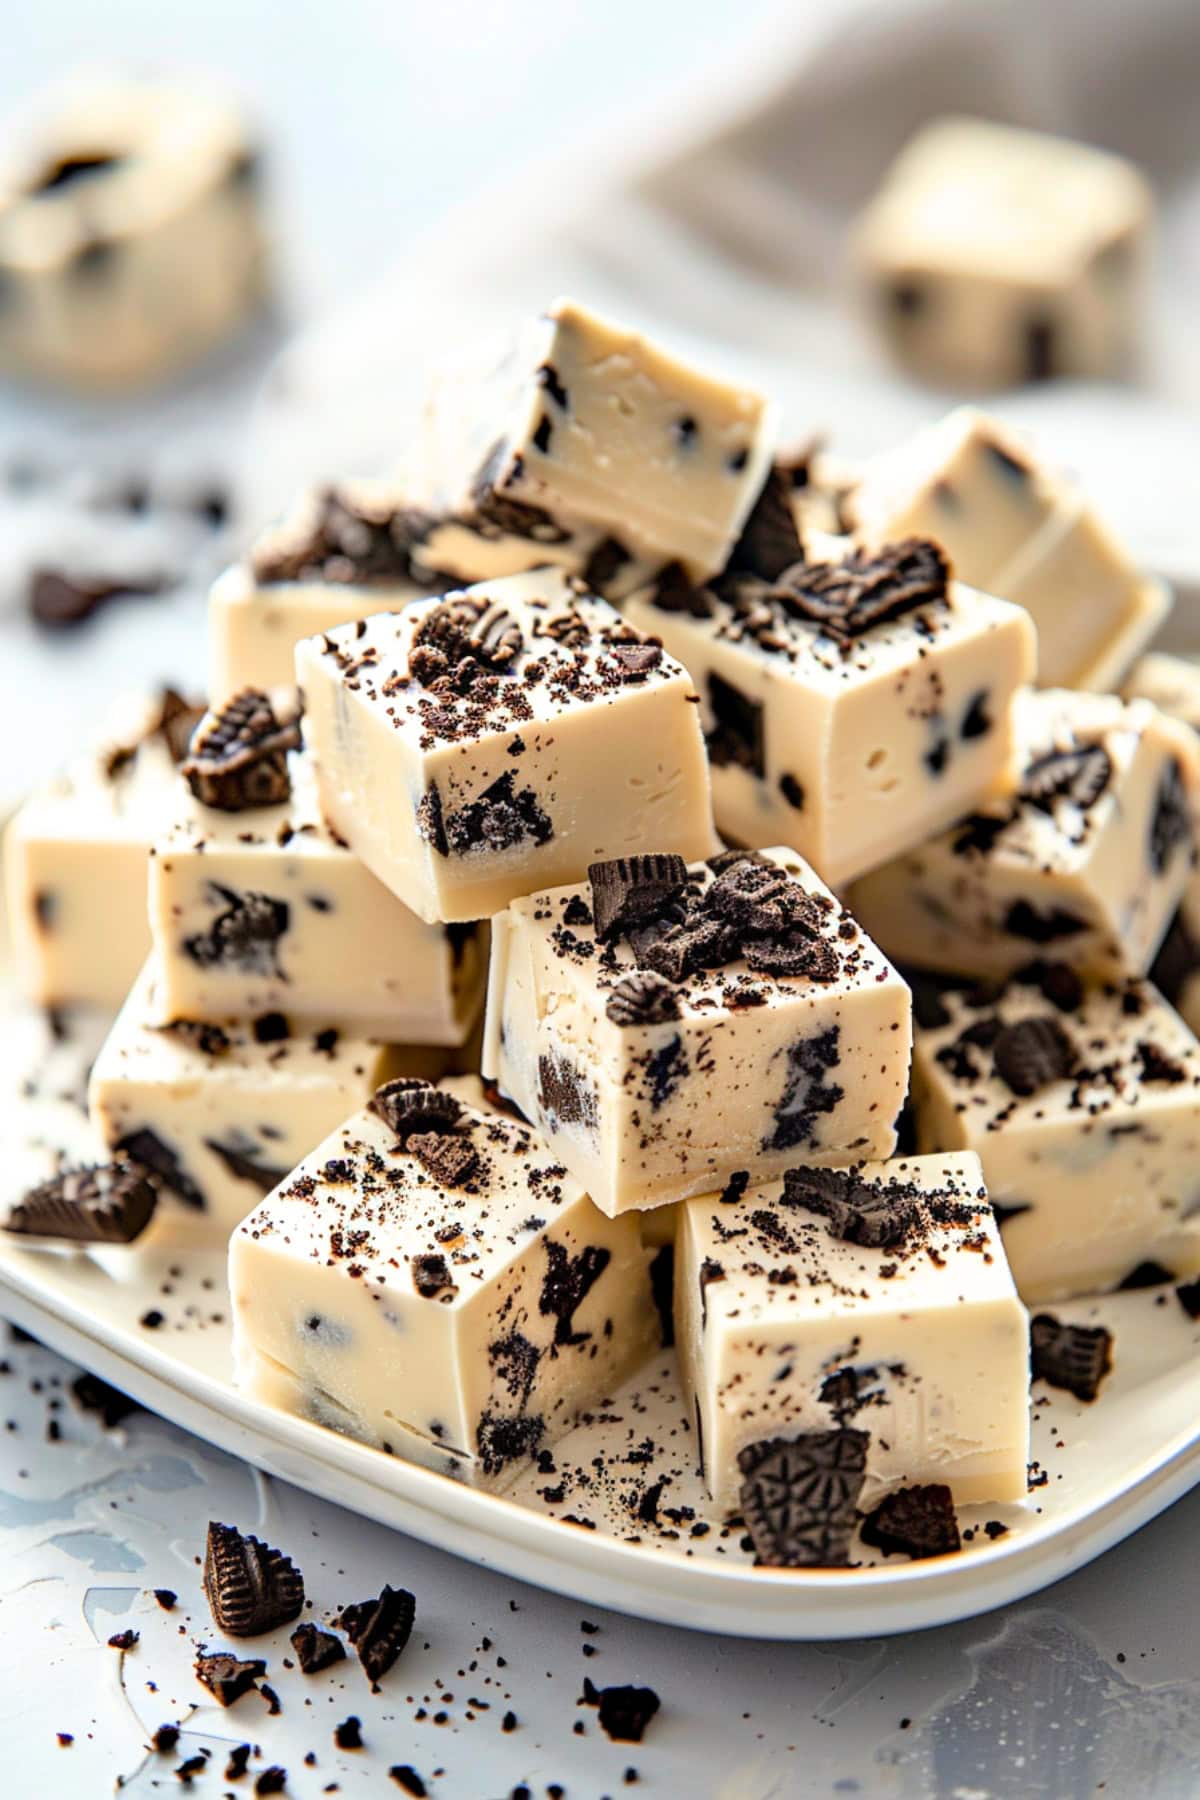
[(130, 235), (1083, 1103), (263, 910), (875, 1297), (431, 1280), (582, 443), (670, 1028), (1013, 526), (993, 256), (853, 707), (75, 858), (1086, 862), (342, 554), (499, 740), (220, 1113)]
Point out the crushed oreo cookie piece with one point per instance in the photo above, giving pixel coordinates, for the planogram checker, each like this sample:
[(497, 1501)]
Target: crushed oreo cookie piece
[(91, 1394), (209, 1040), (799, 1497), (58, 601), (874, 1215), (316, 1649), (1145, 1275), (226, 1677), (914, 1521), (1074, 1357), (461, 629), (1171, 825), (450, 1160), (631, 889), (250, 1587), (770, 543), (343, 542), (148, 1149), (866, 590), (238, 756), (1080, 776), (1057, 982), (431, 1274), (109, 1203), (409, 1105), (1030, 1054), (636, 661), (642, 998), (501, 817), (244, 935), (1157, 1066), (1188, 1296), (624, 1712), (379, 1629)]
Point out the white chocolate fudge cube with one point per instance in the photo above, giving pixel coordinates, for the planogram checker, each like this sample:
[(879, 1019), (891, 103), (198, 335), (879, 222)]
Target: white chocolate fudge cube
[(462, 1313), (569, 741), (75, 860), (751, 1048), (220, 1113), (1172, 683), (1083, 1104), (1086, 862), (591, 444), (265, 911), (341, 555), (1016, 528), (849, 747), (916, 1335), (993, 256), (130, 237)]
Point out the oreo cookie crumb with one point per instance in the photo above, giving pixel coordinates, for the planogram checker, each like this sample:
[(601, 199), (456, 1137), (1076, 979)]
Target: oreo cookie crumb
[(914, 1521), (250, 1587), (379, 1629), (108, 1203), (316, 1649), (226, 1677), (238, 755), (624, 1711), (1074, 1357), (1031, 1054)]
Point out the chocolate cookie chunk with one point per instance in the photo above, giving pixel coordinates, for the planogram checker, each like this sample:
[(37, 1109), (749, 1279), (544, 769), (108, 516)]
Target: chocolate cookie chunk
[(409, 1105), (316, 1649), (642, 998), (250, 1587), (1171, 825), (238, 755), (226, 1677), (770, 543), (1074, 1357), (630, 889), (867, 589), (914, 1521), (452, 1161), (875, 1216), (111, 1203), (379, 1629), (1079, 775), (798, 1497), (464, 628), (624, 1712), (1032, 1053)]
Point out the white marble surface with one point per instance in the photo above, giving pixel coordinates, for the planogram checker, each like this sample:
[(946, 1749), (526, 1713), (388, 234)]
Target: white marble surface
[(381, 118)]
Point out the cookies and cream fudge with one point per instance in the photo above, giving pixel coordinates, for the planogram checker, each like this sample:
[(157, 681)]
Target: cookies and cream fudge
[(993, 256), (1172, 683), (583, 444), (220, 1112), (474, 748), (668, 1027), (1012, 526), (874, 1298), (1083, 1103), (342, 554), (431, 1280), (853, 706), (1086, 862), (263, 910), (75, 858), (130, 233)]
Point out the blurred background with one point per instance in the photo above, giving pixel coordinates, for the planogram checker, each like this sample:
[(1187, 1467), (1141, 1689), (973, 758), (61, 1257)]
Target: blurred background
[(432, 171)]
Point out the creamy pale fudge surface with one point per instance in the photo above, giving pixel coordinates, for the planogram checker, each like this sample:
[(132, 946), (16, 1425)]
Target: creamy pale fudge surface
[(342, 554), (583, 444), (992, 256), (723, 1017), (474, 748), (432, 1280), (75, 859), (220, 1112), (1082, 1101), (853, 705), (130, 232), (1173, 684), (1014, 527), (264, 910), (1086, 862), (874, 1298)]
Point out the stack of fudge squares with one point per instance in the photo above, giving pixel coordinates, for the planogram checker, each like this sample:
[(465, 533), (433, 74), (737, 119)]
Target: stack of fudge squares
[(717, 766)]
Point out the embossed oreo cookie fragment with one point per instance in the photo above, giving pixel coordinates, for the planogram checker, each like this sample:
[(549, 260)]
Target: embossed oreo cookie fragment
[(250, 1587), (409, 1105), (1074, 1357), (628, 890), (798, 1497), (642, 998), (914, 1521), (464, 628), (379, 1629), (238, 755), (1031, 1053), (316, 1649), (110, 1203), (865, 590), (874, 1216), (1080, 775)]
